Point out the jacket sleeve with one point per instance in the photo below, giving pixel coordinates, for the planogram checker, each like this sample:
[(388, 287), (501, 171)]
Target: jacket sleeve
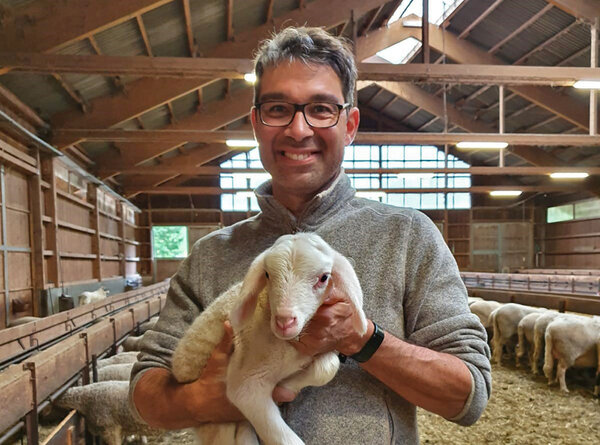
[(181, 309), (437, 315)]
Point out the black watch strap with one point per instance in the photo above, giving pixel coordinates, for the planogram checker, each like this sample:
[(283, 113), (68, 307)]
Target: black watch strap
[(369, 348)]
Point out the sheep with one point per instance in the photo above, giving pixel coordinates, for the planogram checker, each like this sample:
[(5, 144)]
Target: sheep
[(105, 408), (471, 300), (282, 289), (505, 321), (483, 309), (573, 342), (120, 371), (92, 297), (124, 357), (539, 332), (132, 343), (525, 330)]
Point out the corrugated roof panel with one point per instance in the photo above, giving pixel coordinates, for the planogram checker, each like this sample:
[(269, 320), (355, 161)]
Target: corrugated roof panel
[(506, 18), (468, 14), (556, 126), (548, 25), (381, 99), (42, 93), (247, 15), (16, 4), (185, 105), (208, 23), (281, 7), (89, 87), (166, 30), (418, 119), (97, 149), (124, 39), (157, 118), (399, 109)]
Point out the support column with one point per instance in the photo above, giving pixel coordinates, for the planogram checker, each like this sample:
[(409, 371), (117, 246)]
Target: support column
[(37, 238), (92, 196)]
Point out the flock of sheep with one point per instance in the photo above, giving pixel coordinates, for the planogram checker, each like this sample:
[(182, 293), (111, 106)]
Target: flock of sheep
[(546, 337)]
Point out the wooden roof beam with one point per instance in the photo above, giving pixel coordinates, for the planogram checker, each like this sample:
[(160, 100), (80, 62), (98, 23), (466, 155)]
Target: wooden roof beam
[(33, 27), (582, 9), (210, 170), (229, 19), (146, 94), (215, 191)]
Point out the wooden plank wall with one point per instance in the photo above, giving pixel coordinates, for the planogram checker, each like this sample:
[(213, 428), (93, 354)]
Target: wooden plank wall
[(56, 229), (568, 244)]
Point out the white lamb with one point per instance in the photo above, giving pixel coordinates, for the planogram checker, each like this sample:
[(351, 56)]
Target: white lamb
[(539, 332), (281, 291), (525, 330), (106, 410), (573, 342), (92, 297)]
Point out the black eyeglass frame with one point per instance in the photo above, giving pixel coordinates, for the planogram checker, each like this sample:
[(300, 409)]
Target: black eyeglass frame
[(300, 107)]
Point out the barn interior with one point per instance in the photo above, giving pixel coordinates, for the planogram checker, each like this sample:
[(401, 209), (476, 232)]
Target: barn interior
[(125, 137)]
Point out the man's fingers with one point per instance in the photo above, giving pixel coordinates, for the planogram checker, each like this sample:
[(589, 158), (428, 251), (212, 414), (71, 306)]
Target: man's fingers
[(282, 394), (226, 343)]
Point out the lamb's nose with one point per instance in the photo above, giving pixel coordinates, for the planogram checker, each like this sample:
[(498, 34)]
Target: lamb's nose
[(284, 323)]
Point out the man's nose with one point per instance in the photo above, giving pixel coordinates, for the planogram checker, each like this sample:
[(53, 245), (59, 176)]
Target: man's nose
[(299, 129)]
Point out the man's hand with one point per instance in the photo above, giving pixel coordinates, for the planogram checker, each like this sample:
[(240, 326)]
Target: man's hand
[(331, 328)]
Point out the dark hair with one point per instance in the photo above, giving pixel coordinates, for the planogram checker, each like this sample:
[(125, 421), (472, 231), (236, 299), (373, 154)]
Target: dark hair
[(311, 46)]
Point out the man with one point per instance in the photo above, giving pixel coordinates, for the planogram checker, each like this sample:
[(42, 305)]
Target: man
[(433, 352)]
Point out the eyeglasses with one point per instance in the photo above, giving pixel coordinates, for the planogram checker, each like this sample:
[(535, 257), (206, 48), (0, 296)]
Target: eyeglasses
[(316, 114)]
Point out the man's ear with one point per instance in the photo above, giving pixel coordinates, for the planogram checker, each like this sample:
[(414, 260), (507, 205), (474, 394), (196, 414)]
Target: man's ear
[(352, 121)]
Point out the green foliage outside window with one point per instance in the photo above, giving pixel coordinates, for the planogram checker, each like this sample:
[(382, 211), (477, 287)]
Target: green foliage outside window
[(170, 241)]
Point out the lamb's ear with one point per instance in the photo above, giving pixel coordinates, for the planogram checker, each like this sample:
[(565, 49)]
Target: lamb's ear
[(346, 281), (254, 282)]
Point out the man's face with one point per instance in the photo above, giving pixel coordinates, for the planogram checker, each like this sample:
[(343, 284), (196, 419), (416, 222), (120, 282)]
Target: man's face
[(301, 159)]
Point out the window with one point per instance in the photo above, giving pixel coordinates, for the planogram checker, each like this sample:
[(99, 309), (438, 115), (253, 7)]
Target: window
[(560, 213), (170, 241), (367, 184), (580, 210)]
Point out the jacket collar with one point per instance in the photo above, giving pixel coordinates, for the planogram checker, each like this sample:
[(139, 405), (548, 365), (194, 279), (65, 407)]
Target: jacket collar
[(321, 207)]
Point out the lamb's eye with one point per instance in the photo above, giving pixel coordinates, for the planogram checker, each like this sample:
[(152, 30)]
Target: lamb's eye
[(267, 274), (324, 278)]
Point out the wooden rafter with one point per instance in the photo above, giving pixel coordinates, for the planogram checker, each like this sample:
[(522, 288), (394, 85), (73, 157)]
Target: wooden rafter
[(479, 19), (71, 92), (367, 25), (519, 29), (146, 94), (587, 10), (185, 67), (269, 12), (229, 19), (116, 82), (142, 28), (215, 191), (188, 28)]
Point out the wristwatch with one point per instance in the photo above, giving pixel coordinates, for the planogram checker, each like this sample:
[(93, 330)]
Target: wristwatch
[(369, 348)]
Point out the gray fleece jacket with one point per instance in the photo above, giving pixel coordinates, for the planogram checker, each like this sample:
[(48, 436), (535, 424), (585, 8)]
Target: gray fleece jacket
[(411, 286)]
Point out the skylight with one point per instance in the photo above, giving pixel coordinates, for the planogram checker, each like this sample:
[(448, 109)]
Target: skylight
[(403, 51)]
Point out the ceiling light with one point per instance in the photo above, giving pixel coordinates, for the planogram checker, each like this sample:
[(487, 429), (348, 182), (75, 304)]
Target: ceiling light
[(569, 175), (505, 192), (480, 145), (250, 77), (241, 143), (587, 84)]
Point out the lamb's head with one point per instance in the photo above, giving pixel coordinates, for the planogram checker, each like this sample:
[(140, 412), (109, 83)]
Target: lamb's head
[(297, 272)]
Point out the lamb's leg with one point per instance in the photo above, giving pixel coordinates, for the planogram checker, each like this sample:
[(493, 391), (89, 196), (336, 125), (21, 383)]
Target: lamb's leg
[(561, 370), (320, 372), (253, 397), (112, 436), (216, 433), (245, 434)]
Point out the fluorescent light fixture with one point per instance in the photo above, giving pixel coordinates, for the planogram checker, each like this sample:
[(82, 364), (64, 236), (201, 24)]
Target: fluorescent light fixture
[(569, 175), (587, 84), (241, 143), (505, 192), (250, 77), (484, 145)]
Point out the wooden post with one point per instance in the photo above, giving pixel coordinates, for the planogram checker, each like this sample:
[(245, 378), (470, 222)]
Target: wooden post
[(37, 230), (123, 262), (92, 196), (54, 274)]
